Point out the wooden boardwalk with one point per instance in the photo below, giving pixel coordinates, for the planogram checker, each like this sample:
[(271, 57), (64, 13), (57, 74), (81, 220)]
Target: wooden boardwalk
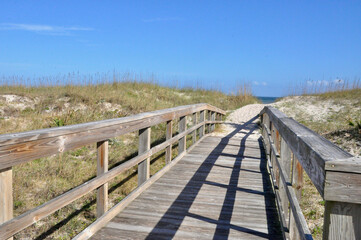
[(220, 190)]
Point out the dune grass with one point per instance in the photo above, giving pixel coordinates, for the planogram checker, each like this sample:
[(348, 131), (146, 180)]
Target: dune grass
[(25, 107)]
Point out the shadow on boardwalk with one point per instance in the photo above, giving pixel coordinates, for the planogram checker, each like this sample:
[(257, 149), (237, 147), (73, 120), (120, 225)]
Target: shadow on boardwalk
[(224, 222)]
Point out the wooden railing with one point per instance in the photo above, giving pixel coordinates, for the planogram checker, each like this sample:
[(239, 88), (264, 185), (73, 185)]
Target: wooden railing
[(292, 148), (23, 147)]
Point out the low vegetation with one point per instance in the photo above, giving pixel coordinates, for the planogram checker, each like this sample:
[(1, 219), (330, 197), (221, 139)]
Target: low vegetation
[(25, 107), (336, 115)]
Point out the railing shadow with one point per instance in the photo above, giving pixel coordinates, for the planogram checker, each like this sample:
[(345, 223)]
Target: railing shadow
[(193, 187)]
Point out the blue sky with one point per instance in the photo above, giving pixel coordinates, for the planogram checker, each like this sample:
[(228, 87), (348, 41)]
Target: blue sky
[(217, 44)]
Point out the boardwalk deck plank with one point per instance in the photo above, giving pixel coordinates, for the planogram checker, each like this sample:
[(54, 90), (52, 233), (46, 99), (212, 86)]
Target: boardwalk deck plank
[(219, 190)]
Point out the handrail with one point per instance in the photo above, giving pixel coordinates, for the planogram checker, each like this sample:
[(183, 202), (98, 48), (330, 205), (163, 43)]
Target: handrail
[(22, 147), (16, 148), (335, 173)]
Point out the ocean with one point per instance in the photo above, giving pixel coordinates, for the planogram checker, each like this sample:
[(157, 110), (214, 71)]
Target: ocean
[(266, 100)]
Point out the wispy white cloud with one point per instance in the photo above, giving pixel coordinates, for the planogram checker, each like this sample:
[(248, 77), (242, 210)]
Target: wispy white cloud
[(259, 83), (47, 29), (159, 19)]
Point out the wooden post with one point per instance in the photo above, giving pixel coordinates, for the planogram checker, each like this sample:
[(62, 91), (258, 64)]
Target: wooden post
[(273, 160), (183, 140), (285, 161), (268, 124), (342, 194), (213, 118), (102, 167), (144, 145), (194, 133), (6, 195), (297, 183), (168, 135), (209, 117), (342, 220), (202, 128), (277, 142), (264, 134)]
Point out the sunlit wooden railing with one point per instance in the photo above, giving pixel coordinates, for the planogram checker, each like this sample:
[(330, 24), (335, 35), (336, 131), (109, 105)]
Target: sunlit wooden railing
[(336, 174), (19, 148)]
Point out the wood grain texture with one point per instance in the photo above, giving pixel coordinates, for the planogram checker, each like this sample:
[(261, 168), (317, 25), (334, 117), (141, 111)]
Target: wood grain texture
[(201, 120), (285, 161), (183, 141), (194, 133), (219, 190), (213, 118), (168, 135), (102, 167), (342, 221), (6, 195), (352, 165), (208, 117), (144, 146), (343, 187), (17, 148)]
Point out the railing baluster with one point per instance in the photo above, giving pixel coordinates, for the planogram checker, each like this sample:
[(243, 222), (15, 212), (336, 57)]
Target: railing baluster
[(297, 183), (274, 165), (285, 159), (209, 119), (202, 119), (194, 133), (144, 145), (183, 140), (168, 135), (6, 195), (213, 118), (102, 167), (342, 220)]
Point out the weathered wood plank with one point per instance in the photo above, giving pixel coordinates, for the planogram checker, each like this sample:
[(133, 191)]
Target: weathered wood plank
[(6, 196), (209, 118), (343, 187), (22, 147), (297, 184), (102, 167), (213, 118), (342, 221), (194, 133), (182, 127), (168, 135), (285, 161), (352, 165), (201, 120), (144, 146)]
